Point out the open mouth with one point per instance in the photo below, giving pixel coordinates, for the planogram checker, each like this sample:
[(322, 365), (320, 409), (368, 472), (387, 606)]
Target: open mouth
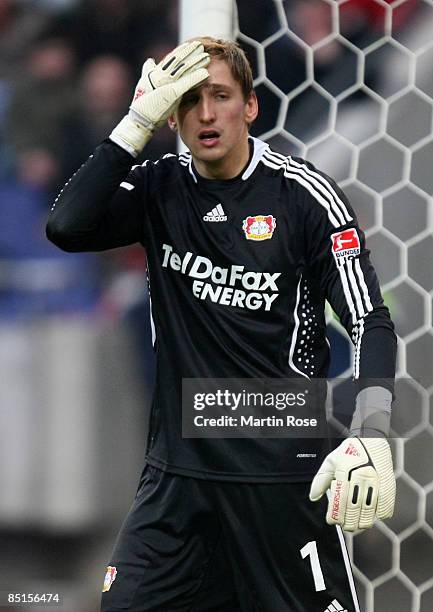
[(208, 135)]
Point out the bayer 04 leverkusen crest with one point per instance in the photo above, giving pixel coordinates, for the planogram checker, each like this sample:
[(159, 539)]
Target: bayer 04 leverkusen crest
[(259, 227)]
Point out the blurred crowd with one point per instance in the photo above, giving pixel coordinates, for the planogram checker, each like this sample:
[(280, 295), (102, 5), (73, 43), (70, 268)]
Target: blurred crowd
[(67, 73)]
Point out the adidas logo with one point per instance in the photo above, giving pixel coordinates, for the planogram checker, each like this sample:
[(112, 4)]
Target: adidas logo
[(216, 215), (352, 450), (335, 606)]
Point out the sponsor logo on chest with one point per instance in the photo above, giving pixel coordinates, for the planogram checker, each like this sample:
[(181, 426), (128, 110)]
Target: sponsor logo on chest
[(232, 286)]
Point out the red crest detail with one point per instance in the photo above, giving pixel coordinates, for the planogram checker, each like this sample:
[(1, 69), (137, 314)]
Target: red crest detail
[(259, 227)]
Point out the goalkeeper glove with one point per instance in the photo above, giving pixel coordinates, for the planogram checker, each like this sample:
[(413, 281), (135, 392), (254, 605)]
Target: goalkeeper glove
[(361, 477), (158, 94)]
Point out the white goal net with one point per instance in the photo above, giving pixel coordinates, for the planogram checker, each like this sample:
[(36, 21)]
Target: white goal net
[(348, 85)]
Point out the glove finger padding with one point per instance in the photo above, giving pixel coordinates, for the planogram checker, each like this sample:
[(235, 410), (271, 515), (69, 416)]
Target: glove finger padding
[(148, 66), (154, 76), (368, 490), (322, 480), (337, 500), (186, 57), (155, 107), (387, 487), (361, 500), (181, 53), (189, 81), (199, 61)]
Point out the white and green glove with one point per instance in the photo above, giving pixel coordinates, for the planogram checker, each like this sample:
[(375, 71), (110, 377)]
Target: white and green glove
[(158, 94), (360, 474)]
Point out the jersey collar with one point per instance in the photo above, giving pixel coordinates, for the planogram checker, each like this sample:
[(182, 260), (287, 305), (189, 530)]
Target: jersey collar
[(259, 148)]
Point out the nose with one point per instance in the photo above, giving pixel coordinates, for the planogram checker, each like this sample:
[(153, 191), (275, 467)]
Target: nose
[(206, 109)]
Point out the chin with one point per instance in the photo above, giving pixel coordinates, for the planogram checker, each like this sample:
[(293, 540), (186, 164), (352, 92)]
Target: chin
[(209, 155)]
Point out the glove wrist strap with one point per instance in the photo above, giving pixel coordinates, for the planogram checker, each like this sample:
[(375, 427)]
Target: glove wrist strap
[(132, 134)]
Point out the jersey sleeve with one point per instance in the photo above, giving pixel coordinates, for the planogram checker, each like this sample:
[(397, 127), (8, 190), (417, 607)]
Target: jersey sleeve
[(337, 257), (102, 205)]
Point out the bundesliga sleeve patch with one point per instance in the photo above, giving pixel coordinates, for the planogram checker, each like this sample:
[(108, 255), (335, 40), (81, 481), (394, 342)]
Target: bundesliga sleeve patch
[(260, 227), (345, 244)]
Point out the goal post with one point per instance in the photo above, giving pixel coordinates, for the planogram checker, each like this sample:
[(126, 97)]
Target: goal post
[(207, 17)]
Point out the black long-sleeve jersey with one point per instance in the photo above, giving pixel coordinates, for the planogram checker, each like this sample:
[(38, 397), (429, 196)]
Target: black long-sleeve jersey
[(239, 271)]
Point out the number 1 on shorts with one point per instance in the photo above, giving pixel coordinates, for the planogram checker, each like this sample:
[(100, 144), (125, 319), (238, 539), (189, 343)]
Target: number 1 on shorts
[(310, 549)]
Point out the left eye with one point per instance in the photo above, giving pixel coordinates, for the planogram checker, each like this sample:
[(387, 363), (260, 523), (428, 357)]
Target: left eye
[(189, 100)]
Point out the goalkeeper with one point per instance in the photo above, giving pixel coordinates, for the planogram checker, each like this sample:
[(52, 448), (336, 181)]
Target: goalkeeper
[(243, 247)]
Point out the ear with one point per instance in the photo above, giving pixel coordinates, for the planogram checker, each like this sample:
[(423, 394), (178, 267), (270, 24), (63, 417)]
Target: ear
[(251, 108), (172, 123)]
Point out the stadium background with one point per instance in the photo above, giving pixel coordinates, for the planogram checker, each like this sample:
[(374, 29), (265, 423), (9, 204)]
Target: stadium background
[(347, 84)]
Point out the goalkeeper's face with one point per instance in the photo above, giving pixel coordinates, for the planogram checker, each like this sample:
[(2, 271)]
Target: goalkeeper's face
[(213, 121)]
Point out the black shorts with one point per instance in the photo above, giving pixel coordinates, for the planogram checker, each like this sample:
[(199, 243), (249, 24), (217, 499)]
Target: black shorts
[(195, 545)]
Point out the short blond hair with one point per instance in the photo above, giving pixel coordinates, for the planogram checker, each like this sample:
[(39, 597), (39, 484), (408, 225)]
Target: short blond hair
[(235, 57)]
